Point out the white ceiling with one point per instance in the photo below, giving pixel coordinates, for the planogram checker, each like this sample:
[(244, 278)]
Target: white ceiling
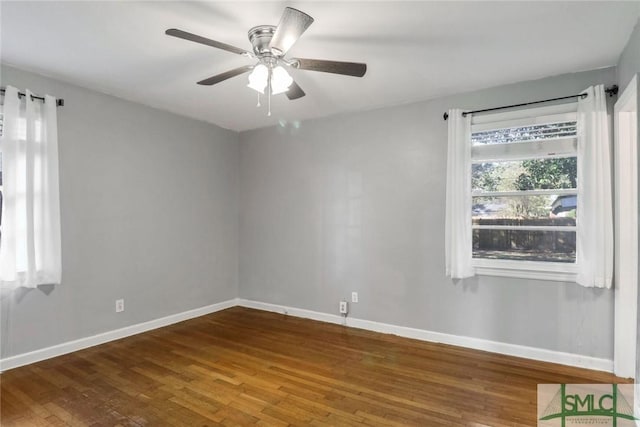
[(414, 50)]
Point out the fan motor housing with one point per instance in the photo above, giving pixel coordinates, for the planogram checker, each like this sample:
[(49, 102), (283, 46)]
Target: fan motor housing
[(260, 37)]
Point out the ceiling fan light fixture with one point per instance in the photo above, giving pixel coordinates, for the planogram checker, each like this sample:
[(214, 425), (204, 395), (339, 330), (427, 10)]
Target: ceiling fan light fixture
[(280, 80), (270, 46), (258, 78)]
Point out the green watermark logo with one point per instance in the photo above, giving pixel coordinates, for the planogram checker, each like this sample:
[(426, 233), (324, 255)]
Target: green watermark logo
[(586, 405)]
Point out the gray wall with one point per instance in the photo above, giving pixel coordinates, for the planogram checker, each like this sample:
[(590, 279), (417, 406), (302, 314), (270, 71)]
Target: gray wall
[(356, 203), (149, 214), (629, 63), (348, 203)]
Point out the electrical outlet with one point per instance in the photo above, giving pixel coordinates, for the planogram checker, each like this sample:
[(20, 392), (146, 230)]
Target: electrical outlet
[(119, 305), (344, 307), (354, 297)]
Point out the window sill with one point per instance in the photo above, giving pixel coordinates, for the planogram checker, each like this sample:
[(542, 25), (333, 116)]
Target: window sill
[(556, 272)]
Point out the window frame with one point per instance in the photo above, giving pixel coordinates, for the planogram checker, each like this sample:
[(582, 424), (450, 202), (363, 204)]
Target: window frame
[(536, 270)]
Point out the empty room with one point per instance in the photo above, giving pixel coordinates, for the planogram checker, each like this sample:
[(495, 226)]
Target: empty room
[(327, 213)]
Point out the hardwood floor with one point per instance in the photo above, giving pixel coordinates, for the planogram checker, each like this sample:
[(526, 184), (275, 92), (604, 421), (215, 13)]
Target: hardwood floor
[(244, 367)]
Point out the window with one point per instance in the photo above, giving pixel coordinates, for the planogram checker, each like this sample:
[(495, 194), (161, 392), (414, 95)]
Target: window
[(529, 193), (525, 192), (30, 250)]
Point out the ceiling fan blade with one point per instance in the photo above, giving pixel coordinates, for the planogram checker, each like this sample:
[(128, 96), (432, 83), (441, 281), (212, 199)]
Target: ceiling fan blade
[(226, 75), (355, 69), (292, 24), (295, 92), (203, 40)]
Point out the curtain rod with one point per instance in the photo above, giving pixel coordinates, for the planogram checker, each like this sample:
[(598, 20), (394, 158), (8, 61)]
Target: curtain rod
[(59, 102), (613, 90)]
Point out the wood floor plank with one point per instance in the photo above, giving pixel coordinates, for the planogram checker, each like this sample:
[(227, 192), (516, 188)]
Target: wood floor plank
[(249, 367)]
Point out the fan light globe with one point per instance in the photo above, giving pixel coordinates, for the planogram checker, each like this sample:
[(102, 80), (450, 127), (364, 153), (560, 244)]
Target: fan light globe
[(258, 78), (280, 80)]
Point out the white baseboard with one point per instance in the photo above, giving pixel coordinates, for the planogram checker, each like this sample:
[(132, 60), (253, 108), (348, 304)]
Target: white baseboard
[(403, 331), (534, 353), (79, 344), (292, 311)]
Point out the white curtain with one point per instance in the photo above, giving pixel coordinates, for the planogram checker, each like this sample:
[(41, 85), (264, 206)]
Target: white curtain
[(30, 253), (458, 239), (594, 240)]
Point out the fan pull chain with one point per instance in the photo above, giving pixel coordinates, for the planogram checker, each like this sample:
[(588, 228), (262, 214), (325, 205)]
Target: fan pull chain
[(269, 89), (258, 105)]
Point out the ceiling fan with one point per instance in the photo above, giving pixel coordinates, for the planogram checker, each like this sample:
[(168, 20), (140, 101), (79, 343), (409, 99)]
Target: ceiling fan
[(270, 45)]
